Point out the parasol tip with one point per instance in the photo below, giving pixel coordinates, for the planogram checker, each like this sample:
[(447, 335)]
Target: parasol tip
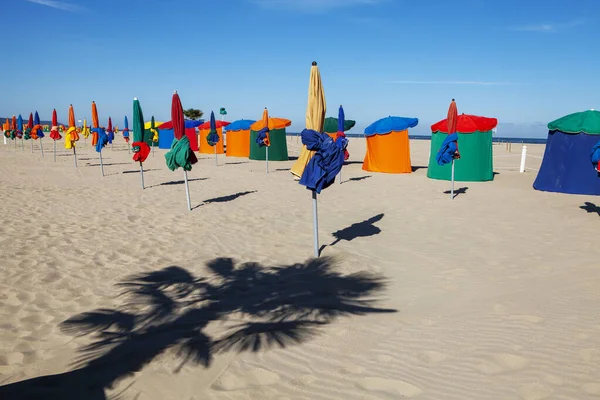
[(135, 98), (174, 91), (314, 63), (452, 99)]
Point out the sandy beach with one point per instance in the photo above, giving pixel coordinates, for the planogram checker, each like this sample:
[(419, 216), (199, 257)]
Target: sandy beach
[(114, 292)]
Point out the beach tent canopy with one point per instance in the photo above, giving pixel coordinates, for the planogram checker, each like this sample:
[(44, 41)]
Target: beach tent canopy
[(388, 147), (278, 149), (331, 125), (474, 144), (466, 124), (238, 138), (189, 123), (566, 166), (166, 134), (239, 125)]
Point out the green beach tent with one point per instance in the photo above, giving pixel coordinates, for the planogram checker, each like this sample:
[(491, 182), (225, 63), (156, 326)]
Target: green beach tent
[(277, 135), (474, 145)]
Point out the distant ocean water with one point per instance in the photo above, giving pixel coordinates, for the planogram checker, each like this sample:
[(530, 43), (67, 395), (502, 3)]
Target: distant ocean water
[(494, 139)]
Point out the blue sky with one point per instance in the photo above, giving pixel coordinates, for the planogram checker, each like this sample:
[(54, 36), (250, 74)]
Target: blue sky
[(523, 62)]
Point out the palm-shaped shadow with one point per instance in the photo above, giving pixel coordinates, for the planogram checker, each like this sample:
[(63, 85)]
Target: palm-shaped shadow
[(170, 309)]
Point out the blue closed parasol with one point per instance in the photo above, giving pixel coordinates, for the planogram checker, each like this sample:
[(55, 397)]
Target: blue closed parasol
[(213, 137)]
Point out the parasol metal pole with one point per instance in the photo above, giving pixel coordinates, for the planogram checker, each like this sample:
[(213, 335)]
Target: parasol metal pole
[(142, 174), (31, 145), (153, 149), (452, 179), (340, 176), (74, 154), (267, 158), (101, 163), (216, 161), (315, 223), (42, 147), (22, 144), (54, 150), (187, 190)]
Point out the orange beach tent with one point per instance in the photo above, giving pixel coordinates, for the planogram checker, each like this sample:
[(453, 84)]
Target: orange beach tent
[(388, 147), (238, 138)]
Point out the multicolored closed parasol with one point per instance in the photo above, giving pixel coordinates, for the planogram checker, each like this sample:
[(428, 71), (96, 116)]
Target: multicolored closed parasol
[(141, 149), (99, 138), (263, 138), (28, 129), (109, 132), (19, 131), (181, 154), (38, 131), (213, 136), (449, 149), (154, 131), (71, 135)]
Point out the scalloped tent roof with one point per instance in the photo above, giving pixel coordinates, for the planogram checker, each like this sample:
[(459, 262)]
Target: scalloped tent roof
[(148, 125), (467, 124), (274, 123), (390, 124), (189, 123), (218, 123), (331, 125), (580, 122), (240, 125)]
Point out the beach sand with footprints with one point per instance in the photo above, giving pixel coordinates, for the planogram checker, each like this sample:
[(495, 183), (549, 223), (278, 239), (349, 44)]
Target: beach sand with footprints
[(111, 291)]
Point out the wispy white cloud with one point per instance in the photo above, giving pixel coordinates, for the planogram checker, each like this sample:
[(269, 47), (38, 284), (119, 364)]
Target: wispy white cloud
[(59, 5), (481, 83), (314, 5), (551, 27)]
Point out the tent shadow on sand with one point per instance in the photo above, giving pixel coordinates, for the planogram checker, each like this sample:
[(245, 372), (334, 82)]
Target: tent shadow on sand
[(359, 178), (364, 228), (590, 208), (170, 309)]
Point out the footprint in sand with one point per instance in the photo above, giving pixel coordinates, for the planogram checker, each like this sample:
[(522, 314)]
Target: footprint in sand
[(591, 388), (535, 391), (433, 357), (393, 387), (534, 319), (252, 378), (502, 363)]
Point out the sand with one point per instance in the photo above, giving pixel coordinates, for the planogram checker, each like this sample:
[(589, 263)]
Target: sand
[(493, 295)]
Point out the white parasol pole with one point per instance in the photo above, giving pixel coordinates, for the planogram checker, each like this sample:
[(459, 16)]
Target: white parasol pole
[(216, 161), (315, 223), (153, 149), (187, 190), (142, 174), (54, 149), (452, 188), (267, 158), (42, 147), (22, 143), (101, 163), (31, 145), (74, 154)]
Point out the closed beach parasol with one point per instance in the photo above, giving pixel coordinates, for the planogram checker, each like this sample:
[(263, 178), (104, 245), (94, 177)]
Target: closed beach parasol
[(126, 133), (38, 131), (262, 137), (154, 131), (85, 131), (110, 133), (28, 129), (71, 136), (213, 136), (449, 149), (181, 154), (140, 147), (54, 134), (99, 138), (315, 116), (340, 133), (19, 131)]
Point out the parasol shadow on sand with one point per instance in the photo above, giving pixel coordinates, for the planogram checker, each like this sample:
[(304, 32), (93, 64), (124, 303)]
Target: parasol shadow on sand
[(591, 208), (170, 309), (462, 190), (180, 182), (364, 228)]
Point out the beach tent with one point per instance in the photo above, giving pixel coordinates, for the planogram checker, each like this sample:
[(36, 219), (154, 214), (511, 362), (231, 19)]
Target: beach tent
[(474, 145), (238, 138), (566, 166), (330, 126), (203, 145), (166, 133), (388, 148), (277, 135)]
